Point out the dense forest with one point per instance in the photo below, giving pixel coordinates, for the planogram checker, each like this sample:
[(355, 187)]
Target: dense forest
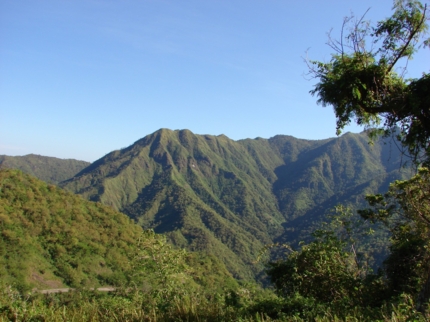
[(203, 228)]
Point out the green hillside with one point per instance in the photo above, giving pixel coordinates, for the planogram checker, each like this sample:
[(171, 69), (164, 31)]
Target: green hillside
[(338, 171), (51, 238), (52, 170), (230, 198)]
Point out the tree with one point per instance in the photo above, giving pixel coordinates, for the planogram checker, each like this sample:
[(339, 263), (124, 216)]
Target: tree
[(321, 270), (405, 210), (363, 81), (162, 268), (331, 269)]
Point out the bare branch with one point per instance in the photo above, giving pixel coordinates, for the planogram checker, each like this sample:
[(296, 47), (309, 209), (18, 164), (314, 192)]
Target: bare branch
[(409, 39)]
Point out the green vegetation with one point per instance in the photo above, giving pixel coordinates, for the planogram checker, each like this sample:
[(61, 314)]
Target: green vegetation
[(244, 305), (332, 271), (364, 82), (321, 282), (51, 238), (52, 170), (230, 198), (405, 210)]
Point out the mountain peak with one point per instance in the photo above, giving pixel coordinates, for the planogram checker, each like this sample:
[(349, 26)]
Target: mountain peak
[(229, 197)]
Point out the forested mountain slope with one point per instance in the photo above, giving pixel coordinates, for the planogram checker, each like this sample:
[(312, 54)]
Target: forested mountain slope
[(51, 238), (52, 170), (230, 198)]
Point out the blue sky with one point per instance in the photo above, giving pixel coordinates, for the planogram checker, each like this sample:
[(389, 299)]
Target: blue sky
[(80, 78)]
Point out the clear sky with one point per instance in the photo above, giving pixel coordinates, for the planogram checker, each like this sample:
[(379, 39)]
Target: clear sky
[(80, 78)]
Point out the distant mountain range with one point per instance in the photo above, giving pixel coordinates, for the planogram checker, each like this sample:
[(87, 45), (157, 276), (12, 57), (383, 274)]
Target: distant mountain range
[(52, 170), (230, 198)]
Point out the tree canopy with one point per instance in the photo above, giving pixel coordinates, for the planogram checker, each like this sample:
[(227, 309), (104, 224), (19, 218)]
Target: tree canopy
[(405, 210), (364, 80), (364, 83)]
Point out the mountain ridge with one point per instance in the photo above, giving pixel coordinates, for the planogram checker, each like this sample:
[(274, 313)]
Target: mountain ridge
[(49, 169), (230, 198)]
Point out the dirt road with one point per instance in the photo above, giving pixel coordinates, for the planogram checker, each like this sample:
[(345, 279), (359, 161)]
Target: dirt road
[(65, 290)]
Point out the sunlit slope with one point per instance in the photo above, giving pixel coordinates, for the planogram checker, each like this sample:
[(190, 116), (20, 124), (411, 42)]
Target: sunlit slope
[(230, 198), (50, 237)]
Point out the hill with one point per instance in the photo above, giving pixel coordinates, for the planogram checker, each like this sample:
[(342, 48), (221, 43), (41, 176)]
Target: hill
[(52, 170), (51, 238), (230, 198)]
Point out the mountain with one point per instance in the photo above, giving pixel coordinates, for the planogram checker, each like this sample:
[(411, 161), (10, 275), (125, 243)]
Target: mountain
[(52, 170), (230, 198)]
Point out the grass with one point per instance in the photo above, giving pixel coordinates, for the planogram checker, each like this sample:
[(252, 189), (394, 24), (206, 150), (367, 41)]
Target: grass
[(245, 305)]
